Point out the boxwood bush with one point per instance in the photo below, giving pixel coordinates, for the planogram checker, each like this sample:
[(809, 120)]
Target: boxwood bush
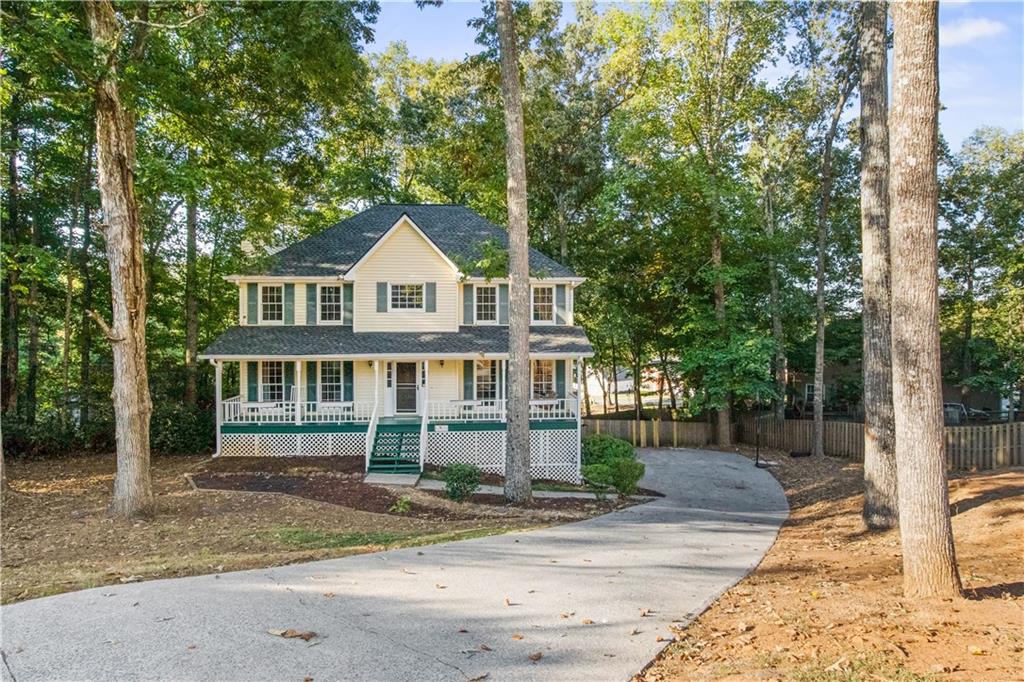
[(461, 481), (611, 461), (599, 448)]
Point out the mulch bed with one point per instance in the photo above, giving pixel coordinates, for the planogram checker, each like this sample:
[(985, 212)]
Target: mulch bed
[(582, 504), (274, 465)]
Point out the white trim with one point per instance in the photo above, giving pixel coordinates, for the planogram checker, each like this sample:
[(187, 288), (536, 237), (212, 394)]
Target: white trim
[(320, 381), (399, 356), (341, 301), (575, 281), (384, 237), (259, 379), (497, 382), (554, 306), (274, 279), (259, 305), (423, 297), (497, 304)]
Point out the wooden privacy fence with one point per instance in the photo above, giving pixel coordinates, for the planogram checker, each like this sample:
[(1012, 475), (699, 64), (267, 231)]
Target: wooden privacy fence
[(655, 433), (980, 447)]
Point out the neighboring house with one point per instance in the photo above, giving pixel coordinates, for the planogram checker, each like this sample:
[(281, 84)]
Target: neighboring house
[(370, 339)]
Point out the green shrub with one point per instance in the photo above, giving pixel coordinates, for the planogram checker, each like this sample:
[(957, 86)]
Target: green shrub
[(599, 449), (403, 505), (47, 437), (177, 429), (461, 481), (600, 474), (623, 474)]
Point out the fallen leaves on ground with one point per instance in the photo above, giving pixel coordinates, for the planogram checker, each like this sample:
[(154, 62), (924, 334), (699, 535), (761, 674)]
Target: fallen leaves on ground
[(304, 635)]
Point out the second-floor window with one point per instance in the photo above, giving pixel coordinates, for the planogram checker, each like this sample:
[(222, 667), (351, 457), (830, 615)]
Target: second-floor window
[(330, 304), (486, 304), (271, 303), (272, 379), (331, 389), (407, 297), (543, 379), (543, 304)]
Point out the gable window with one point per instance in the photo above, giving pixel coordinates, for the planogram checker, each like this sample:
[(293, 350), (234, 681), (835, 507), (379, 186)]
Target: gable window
[(543, 304), (331, 387), (271, 303), (543, 379), (486, 379), (407, 297), (330, 304), (486, 304), (272, 381)]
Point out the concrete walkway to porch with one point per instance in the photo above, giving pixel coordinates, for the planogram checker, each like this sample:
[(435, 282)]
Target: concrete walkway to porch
[(581, 601)]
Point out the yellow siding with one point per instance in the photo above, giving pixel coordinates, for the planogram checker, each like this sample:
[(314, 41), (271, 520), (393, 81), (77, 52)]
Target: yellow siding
[(362, 380), (444, 382), (300, 302), (241, 304), (405, 258)]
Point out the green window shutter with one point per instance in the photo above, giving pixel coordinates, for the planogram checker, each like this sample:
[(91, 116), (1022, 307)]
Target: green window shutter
[(467, 304), (502, 304), (347, 373), (430, 297), (289, 304), (560, 304), (382, 297), (252, 303), (252, 380), (311, 291), (346, 293), (560, 378), (289, 379), (467, 379), (311, 382)]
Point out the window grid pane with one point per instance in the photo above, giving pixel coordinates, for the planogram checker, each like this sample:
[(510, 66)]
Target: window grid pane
[(543, 379), (544, 304), (273, 303), (407, 296), (486, 380), (330, 304), (487, 304), (273, 381), (331, 388)]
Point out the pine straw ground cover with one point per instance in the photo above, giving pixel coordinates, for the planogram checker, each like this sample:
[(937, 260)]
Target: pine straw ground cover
[(826, 604), (57, 538)]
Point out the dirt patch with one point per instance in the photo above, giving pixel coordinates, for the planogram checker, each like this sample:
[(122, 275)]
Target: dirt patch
[(56, 535), (826, 601)]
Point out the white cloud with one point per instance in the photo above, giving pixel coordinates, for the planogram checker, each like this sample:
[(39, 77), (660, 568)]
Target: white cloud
[(967, 31)]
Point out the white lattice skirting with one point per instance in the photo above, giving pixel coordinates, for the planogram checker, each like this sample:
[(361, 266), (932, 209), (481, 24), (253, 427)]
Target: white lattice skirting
[(554, 454), (292, 444)]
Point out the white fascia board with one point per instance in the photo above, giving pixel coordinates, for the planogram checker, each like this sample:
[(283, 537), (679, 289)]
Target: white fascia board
[(396, 356), (282, 278)]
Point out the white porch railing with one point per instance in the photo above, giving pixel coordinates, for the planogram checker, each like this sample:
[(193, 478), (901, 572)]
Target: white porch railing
[(494, 410), (554, 408), (237, 411)]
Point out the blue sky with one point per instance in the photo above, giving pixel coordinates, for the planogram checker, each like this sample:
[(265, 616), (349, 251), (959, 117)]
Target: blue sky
[(981, 55)]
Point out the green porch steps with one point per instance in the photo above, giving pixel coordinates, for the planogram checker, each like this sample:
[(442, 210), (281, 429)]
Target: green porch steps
[(396, 449)]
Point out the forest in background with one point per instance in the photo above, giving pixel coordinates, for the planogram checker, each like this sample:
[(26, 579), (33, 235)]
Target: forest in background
[(705, 196)]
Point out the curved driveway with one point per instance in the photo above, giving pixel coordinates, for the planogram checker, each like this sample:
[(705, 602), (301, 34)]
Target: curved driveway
[(576, 594)]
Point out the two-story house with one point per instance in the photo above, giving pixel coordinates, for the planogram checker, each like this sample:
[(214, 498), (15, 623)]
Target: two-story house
[(368, 339)]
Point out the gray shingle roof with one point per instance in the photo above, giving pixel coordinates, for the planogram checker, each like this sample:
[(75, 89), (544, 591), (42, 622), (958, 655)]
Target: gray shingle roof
[(299, 340), (456, 230)]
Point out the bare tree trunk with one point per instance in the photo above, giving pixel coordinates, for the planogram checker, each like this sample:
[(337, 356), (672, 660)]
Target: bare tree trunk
[(191, 308), (638, 404), (615, 376), (85, 333), (776, 312), (880, 489), (818, 439), (115, 138), (668, 382), (517, 463), (69, 276), (585, 389), (29, 406), (723, 417), (929, 560), (9, 369), (966, 365)]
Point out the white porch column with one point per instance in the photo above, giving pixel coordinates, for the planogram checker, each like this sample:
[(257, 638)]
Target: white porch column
[(217, 383), (376, 384), (297, 392)]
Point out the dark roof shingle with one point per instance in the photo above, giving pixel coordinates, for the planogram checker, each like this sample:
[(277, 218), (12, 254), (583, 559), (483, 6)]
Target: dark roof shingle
[(456, 230), (303, 340)]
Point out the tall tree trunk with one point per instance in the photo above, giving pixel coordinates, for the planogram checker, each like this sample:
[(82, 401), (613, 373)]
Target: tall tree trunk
[(32, 376), (85, 333), (668, 383), (9, 364), (191, 307), (615, 376), (778, 337), (69, 280), (818, 439), (638, 380), (929, 560), (723, 417), (115, 139), (880, 490), (584, 388), (966, 364), (517, 462)]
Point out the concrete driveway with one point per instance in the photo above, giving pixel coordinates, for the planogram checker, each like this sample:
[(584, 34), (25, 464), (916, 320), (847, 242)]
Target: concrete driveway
[(571, 597)]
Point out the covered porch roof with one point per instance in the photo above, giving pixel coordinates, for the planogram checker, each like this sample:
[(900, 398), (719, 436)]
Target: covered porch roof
[(332, 341)]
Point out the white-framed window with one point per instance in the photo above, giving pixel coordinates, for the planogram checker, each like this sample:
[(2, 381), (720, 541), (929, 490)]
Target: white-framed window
[(543, 379), (272, 381), (331, 306), (271, 303), (332, 389), (486, 377), (486, 300), (543, 304), (387, 375), (808, 393), (406, 297)]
